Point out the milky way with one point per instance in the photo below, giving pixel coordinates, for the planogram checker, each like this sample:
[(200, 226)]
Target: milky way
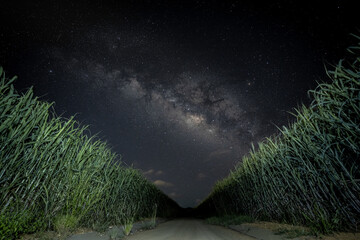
[(190, 116)]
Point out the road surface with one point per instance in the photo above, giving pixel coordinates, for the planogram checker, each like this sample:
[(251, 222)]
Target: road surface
[(187, 229)]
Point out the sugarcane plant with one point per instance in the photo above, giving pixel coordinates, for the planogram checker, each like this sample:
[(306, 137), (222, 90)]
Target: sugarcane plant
[(309, 173), (54, 174)]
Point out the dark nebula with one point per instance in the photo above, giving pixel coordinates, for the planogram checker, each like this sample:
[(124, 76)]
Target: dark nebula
[(180, 90)]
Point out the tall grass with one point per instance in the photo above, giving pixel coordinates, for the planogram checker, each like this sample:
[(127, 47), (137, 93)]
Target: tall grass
[(51, 169), (309, 173)]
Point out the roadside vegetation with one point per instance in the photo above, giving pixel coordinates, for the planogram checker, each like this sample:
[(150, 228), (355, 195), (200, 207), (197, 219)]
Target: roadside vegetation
[(53, 175), (309, 174)]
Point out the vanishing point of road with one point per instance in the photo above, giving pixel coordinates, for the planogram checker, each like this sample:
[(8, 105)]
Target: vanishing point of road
[(189, 230)]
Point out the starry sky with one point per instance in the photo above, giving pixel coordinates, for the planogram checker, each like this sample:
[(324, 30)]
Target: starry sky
[(181, 89)]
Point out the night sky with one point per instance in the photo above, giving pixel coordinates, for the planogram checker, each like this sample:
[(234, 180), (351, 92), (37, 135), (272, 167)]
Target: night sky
[(180, 89)]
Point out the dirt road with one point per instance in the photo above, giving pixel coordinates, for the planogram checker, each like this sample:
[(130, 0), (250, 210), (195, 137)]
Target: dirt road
[(188, 230)]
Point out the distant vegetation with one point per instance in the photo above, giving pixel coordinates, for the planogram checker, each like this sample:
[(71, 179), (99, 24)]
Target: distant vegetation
[(54, 176), (310, 173)]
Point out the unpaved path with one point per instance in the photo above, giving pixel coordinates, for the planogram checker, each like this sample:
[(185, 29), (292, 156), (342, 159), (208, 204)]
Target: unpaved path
[(187, 229)]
